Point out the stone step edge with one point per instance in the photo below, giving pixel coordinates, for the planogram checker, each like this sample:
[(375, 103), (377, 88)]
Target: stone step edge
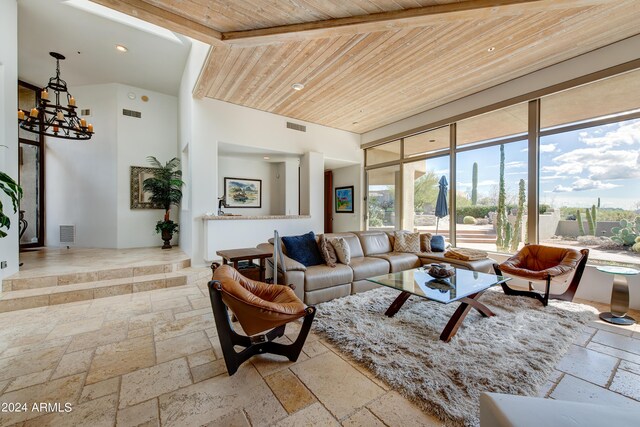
[(20, 300), (95, 275)]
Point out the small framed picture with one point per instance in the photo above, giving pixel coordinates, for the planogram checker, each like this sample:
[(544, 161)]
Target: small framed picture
[(242, 193), (344, 199)]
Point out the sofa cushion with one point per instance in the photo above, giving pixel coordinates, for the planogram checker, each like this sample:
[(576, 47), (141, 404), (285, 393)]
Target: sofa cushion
[(437, 243), (323, 276), (374, 242), (354, 245), (327, 251), (303, 249), (425, 242), (400, 261), (342, 250), (365, 267), (406, 242)]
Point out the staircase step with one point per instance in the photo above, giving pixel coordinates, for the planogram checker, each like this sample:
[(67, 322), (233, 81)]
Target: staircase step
[(52, 295), (45, 281)]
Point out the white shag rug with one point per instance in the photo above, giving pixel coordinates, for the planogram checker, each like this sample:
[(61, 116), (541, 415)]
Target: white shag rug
[(513, 352)]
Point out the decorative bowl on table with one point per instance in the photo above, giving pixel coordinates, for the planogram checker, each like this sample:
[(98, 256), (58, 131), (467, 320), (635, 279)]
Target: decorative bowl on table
[(441, 271)]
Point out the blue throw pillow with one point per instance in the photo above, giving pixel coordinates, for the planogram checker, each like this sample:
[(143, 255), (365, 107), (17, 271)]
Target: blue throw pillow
[(437, 243), (303, 249)]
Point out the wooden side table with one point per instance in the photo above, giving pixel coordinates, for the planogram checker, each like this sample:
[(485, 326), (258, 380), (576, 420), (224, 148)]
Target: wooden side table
[(234, 256)]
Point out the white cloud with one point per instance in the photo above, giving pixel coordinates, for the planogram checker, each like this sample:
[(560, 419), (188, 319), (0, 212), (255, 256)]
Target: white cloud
[(599, 163), (548, 148), (584, 184), (625, 135), (514, 165)]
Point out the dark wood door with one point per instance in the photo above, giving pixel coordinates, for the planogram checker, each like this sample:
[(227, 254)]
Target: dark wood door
[(328, 202)]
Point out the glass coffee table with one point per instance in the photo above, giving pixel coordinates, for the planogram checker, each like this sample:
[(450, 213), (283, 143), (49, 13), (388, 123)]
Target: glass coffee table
[(465, 287), (619, 295)]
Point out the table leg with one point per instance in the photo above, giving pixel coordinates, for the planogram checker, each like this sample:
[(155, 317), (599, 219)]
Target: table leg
[(262, 270), (461, 312), (397, 304), (619, 303)]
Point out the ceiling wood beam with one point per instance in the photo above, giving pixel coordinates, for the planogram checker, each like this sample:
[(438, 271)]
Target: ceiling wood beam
[(164, 18), (397, 20)]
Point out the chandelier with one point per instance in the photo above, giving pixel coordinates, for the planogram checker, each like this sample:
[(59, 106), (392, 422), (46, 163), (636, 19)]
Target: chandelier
[(53, 118)]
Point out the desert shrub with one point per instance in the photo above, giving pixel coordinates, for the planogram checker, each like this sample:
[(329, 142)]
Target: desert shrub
[(468, 220), (482, 221)]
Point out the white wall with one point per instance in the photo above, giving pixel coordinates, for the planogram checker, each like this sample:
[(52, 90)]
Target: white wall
[(9, 125), (88, 182), (343, 177), (81, 175), (599, 59), (212, 121), (154, 134)]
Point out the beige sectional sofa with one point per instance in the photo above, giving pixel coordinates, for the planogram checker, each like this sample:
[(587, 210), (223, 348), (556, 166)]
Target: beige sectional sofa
[(371, 255)]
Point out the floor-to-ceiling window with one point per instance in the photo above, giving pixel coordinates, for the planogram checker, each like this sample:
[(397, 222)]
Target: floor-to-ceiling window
[(571, 159), (590, 168)]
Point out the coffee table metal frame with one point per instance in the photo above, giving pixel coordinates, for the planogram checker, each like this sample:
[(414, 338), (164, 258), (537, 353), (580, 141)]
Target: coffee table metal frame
[(466, 302)]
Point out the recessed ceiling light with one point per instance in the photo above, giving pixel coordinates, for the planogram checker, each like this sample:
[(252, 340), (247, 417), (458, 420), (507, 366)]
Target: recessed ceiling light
[(491, 49), (297, 86), (121, 48), (266, 157)]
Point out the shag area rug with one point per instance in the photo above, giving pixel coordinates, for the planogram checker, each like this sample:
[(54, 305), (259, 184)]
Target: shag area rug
[(513, 352)]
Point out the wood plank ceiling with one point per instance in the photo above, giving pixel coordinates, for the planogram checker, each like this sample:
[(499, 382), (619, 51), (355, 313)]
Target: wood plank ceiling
[(367, 63)]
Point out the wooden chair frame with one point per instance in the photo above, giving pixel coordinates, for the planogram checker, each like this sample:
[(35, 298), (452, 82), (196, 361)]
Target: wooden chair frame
[(256, 344)]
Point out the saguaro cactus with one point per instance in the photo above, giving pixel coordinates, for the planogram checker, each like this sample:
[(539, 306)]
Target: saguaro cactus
[(517, 232), (501, 219), (580, 225), (474, 184)]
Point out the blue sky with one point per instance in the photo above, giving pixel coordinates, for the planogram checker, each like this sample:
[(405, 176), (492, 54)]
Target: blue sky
[(576, 167)]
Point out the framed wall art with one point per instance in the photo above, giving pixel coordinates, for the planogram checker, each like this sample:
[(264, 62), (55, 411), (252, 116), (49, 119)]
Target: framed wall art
[(344, 199), (139, 198), (242, 193)]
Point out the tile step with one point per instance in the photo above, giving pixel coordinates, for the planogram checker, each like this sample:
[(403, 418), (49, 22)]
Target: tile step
[(38, 282), (52, 295)]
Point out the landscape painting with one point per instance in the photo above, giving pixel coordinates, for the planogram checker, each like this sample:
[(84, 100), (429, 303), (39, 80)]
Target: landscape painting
[(344, 199), (242, 193)]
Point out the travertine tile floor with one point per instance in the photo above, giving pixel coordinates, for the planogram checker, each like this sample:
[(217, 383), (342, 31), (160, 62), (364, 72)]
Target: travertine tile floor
[(153, 358)]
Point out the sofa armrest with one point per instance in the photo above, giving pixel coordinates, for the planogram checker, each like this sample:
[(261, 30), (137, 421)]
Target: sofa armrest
[(289, 264)]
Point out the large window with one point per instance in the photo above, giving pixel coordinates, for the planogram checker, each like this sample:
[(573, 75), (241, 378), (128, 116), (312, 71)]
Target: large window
[(382, 209), (421, 188), (584, 191)]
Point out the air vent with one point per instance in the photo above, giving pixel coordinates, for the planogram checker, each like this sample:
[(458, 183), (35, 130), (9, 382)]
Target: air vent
[(67, 235), (85, 112), (131, 113), (296, 126)]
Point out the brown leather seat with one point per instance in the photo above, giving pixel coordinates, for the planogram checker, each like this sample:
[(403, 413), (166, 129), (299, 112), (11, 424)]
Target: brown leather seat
[(259, 307), (545, 263)]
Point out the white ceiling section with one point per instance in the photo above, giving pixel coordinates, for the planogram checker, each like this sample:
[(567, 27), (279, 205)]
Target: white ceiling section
[(87, 33)]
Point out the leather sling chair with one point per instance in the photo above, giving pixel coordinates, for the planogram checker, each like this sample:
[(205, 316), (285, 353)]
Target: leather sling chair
[(259, 307), (546, 264)]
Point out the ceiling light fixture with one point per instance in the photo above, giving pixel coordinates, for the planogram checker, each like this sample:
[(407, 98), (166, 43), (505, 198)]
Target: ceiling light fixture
[(491, 49), (56, 120), (121, 48), (297, 86), (266, 157)]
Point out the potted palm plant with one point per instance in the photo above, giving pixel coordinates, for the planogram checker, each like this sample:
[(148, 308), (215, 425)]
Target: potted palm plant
[(165, 187), (13, 190)]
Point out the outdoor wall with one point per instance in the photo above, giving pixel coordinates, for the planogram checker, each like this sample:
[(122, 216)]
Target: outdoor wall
[(343, 177), (88, 182), (154, 134), (9, 125), (599, 59)]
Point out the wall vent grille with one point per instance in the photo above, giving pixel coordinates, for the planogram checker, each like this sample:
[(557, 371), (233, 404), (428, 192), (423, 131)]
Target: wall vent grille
[(131, 113), (85, 112), (67, 235), (296, 126)]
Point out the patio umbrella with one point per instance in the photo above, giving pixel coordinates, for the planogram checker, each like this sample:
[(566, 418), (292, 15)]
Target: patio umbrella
[(441, 203)]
